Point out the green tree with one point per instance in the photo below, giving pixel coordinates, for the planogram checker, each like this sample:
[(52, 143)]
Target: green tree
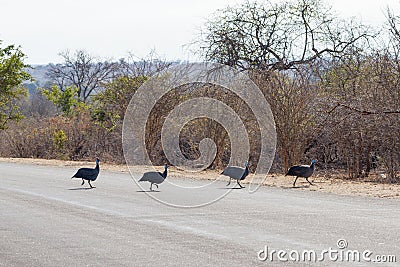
[(66, 101), (12, 75)]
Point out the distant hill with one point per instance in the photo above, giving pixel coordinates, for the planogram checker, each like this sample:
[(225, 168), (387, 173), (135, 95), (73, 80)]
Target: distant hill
[(38, 73)]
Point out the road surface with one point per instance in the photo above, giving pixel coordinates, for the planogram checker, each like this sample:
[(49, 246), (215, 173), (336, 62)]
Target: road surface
[(48, 219)]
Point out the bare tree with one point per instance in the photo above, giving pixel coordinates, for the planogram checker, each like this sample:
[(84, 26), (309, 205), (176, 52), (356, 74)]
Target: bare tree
[(277, 36), (293, 99), (134, 66), (393, 21), (83, 71)]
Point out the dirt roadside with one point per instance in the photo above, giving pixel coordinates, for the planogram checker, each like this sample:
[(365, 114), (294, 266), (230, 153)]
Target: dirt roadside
[(333, 184)]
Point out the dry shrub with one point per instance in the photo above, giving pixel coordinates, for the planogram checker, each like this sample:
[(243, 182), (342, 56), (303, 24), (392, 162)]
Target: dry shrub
[(75, 138)]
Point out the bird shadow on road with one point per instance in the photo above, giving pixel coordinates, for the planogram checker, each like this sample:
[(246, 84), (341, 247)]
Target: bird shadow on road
[(295, 187), (227, 188), (81, 188), (148, 191)]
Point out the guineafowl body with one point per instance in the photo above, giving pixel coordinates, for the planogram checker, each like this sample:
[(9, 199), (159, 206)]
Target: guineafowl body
[(88, 173), (304, 171), (155, 178), (237, 173)]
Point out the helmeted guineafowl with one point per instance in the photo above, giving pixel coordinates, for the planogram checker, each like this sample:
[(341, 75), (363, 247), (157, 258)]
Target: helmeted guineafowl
[(304, 171), (237, 173), (154, 177), (88, 173)]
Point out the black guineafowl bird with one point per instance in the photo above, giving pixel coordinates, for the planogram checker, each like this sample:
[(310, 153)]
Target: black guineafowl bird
[(237, 173), (88, 173), (304, 171), (154, 177)]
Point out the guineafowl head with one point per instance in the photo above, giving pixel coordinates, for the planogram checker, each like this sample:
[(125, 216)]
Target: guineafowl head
[(97, 160), (166, 167), (246, 164), (313, 161)]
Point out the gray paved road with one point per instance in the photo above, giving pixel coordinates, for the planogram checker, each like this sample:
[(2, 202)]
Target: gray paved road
[(47, 219)]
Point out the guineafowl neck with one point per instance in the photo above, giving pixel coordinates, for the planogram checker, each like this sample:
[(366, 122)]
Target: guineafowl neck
[(245, 173), (165, 174), (312, 166)]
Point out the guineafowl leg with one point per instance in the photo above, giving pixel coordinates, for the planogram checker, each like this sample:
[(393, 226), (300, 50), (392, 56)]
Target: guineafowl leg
[(229, 181), (294, 184), (90, 184), (239, 184), (156, 185), (309, 181), (83, 181), (151, 186)]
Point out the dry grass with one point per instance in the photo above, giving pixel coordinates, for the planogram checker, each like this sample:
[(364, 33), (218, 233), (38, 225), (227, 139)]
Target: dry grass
[(334, 184)]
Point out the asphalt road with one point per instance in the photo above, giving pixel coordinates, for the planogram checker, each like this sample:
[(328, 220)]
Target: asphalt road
[(47, 219)]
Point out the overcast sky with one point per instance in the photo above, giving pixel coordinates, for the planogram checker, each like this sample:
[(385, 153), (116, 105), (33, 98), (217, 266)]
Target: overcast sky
[(113, 28)]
